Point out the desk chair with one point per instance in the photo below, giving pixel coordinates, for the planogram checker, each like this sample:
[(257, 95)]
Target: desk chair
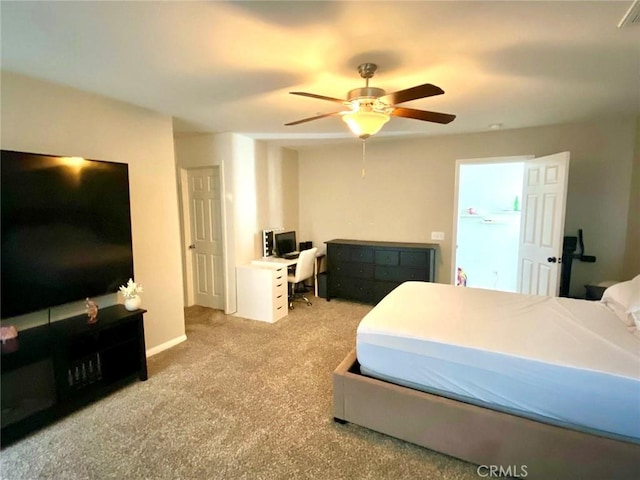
[(304, 270)]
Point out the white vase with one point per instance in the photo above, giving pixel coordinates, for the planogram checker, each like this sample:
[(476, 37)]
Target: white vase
[(132, 303)]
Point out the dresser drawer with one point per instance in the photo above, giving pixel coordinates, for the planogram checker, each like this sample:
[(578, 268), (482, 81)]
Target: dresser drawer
[(352, 289), (338, 253), (415, 259), (344, 253), (354, 270), (387, 257), (382, 289), (361, 255), (401, 274)]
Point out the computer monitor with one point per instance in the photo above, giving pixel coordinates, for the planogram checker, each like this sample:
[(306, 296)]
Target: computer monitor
[(285, 243)]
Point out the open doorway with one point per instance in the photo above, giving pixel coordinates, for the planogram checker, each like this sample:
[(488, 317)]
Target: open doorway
[(510, 223), (489, 201)]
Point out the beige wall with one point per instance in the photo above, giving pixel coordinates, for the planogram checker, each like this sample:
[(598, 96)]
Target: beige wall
[(408, 190), (45, 118), (632, 254)]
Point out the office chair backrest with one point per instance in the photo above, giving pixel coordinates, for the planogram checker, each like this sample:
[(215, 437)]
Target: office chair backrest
[(305, 265)]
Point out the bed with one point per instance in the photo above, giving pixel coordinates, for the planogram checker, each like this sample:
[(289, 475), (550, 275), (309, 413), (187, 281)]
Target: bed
[(541, 387)]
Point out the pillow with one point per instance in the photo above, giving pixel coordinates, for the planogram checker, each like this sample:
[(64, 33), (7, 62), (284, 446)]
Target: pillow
[(624, 299), (620, 313), (636, 318)]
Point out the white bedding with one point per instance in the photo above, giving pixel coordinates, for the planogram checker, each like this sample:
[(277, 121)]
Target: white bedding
[(562, 360)]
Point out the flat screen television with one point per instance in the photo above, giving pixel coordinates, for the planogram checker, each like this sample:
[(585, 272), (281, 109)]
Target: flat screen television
[(285, 243), (66, 230)]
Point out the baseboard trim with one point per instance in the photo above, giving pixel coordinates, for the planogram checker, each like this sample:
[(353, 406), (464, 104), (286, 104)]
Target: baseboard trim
[(166, 345)]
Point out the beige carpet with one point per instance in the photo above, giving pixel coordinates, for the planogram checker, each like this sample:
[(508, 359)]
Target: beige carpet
[(239, 399)]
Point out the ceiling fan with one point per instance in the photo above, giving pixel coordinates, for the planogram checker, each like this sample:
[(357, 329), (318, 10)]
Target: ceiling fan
[(371, 107)]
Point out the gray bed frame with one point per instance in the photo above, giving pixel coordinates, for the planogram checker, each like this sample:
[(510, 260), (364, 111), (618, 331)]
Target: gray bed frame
[(476, 434)]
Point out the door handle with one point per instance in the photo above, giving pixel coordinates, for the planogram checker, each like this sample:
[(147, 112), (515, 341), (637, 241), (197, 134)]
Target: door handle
[(552, 259), (192, 246)]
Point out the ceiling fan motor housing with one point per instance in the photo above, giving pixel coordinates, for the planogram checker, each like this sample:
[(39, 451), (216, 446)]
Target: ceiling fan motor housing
[(365, 92), (366, 70)]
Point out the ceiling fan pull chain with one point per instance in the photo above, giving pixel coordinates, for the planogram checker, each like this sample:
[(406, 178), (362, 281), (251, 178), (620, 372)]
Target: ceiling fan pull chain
[(363, 157)]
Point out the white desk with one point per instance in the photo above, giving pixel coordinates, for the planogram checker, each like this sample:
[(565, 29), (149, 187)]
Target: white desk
[(276, 261), (262, 292), (273, 261), (261, 288)]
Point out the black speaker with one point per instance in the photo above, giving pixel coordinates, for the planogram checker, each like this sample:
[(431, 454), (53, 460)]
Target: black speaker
[(305, 246)]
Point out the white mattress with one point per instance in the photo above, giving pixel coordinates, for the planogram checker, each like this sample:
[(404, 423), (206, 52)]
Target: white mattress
[(566, 361)]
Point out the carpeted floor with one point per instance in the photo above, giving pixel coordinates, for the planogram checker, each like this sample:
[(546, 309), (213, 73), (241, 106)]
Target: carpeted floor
[(239, 399)]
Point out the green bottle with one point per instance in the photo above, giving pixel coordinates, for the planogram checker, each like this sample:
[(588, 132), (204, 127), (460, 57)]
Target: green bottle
[(516, 204)]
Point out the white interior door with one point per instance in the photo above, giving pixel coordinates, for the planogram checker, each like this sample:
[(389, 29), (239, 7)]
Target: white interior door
[(206, 237), (542, 229)]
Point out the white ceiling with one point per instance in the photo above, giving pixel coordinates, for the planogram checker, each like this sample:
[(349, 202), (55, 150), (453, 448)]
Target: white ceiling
[(228, 66)]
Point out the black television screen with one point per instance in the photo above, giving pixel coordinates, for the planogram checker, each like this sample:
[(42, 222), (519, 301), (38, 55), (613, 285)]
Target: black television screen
[(66, 230), (285, 243)]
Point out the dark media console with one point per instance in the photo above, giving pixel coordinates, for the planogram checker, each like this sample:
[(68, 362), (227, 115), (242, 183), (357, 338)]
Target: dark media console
[(62, 366)]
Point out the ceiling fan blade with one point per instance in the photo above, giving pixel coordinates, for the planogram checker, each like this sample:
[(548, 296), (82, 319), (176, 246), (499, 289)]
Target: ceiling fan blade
[(423, 115), (413, 93), (312, 118), (319, 97)]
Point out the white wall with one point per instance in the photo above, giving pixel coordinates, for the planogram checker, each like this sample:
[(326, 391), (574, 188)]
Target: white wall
[(42, 117), (408, 190)]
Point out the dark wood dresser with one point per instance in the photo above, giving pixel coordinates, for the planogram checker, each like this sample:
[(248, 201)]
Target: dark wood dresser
[(366, 271)]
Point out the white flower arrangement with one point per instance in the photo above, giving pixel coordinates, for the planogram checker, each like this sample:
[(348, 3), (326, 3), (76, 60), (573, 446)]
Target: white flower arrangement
[(131, 289)]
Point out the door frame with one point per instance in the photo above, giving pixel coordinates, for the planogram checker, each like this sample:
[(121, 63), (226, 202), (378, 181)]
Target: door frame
[(185, 234), (456, 195)]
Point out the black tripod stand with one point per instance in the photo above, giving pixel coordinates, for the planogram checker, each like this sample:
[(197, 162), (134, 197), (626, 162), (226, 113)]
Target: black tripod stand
[(568, 256)]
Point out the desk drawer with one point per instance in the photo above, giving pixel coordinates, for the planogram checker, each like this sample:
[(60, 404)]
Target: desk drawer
[(279, 287), (280, 274), (280, 307)]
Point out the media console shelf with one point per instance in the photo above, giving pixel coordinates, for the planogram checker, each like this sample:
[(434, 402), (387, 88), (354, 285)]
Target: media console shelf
[(59, 367)]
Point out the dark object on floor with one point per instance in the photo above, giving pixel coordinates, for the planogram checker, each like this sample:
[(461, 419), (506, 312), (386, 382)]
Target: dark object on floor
[(568, 255)]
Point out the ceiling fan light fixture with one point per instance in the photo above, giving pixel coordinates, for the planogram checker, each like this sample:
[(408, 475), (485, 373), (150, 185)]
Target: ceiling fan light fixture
[(369, 108), (365, 123)]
